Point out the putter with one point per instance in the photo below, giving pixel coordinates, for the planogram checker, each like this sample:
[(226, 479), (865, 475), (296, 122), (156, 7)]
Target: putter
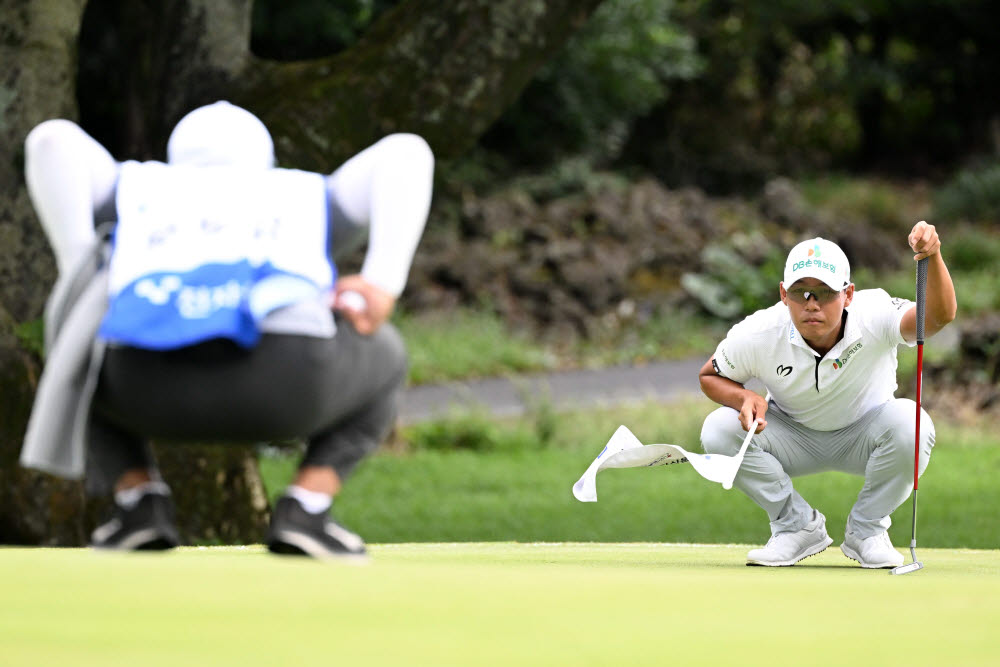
[(921, 299)]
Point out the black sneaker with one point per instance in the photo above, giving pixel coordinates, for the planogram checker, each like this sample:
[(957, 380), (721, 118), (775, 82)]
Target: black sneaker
[(296, 531), (149, 526)]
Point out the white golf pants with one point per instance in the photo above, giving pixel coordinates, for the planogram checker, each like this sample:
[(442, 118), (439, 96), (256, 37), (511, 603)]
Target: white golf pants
[(879, 446)]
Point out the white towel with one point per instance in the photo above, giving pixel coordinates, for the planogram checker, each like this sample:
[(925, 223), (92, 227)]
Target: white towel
[(625, 451)]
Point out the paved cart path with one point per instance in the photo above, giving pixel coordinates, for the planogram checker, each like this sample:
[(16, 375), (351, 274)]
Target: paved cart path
[(505, 397)]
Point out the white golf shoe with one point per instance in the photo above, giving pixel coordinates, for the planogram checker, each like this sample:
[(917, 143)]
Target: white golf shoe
[(791, 547), (872, 552)]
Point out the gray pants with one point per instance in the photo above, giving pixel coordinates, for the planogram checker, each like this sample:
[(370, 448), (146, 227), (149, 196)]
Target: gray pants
[(339, 394), (878, 446)]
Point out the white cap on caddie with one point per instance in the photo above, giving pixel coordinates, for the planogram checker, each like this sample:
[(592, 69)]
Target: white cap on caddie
[(221, 134), (818, 258)]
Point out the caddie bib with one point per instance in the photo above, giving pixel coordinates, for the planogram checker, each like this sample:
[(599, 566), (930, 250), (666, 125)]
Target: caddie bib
[(208, 252)]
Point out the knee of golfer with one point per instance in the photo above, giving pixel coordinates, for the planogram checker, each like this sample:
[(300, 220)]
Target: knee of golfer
[(899, 435), (722, 433), (393, 350)]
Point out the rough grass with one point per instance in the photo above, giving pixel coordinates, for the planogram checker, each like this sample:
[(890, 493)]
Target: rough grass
[(467, 344), (470, 343), (493, 604), (514, 487)]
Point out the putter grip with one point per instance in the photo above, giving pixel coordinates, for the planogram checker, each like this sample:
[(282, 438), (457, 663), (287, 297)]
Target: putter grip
[(921, 297)]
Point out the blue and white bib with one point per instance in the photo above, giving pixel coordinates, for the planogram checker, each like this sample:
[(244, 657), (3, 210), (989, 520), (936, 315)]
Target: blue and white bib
[(208, 252)]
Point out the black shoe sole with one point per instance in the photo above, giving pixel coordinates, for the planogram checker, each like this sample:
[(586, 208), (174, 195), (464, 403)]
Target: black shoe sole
[(153, 544), (159, 544), (291, 543), (285, 549)]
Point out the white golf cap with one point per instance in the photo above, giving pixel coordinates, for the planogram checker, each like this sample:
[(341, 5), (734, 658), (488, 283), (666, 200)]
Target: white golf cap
[(818, 258), (221, 134)]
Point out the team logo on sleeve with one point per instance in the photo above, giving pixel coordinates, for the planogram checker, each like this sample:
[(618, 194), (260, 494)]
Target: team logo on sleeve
[(783, 371), (898, 303), (715, 366)]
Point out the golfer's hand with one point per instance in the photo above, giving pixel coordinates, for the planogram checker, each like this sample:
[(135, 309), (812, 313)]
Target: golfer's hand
[(753, 408), (924, 240), (367, 313)]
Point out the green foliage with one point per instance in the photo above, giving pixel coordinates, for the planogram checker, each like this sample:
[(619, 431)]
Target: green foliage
[(793, 86), (480, 432), (900, 283), (617, 67), (470, 432), (725, 95), (878, 203), (973, 194), (978, 291), (303, 29), (971, 252), (31, 335), (812, 115), (973, 248), (731, 283)]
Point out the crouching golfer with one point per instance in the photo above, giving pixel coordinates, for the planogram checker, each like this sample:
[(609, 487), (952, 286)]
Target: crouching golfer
[(218, 314), (827, 356)]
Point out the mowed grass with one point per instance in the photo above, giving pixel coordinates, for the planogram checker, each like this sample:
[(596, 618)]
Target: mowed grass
[(493, 604)]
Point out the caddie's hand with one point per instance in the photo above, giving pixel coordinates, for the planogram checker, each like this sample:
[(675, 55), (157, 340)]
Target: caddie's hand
[(924, 240), (753, 408), (365, 305)]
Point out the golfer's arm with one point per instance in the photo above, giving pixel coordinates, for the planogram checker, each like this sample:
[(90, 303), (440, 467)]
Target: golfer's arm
[(942, 303), (721, 390)]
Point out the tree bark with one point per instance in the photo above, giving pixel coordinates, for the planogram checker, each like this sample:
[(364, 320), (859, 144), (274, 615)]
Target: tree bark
[(168, 56), (444, 70), (37, 49)]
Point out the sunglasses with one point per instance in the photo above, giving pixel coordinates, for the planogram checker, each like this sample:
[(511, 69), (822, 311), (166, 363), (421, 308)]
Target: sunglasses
[(823, 295)]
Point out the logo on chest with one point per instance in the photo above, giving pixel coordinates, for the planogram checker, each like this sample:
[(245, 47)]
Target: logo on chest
[(840, 362), (783, 371)]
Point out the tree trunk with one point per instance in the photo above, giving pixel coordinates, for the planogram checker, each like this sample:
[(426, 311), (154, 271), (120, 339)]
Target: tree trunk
[(168, 57), (39, 61)]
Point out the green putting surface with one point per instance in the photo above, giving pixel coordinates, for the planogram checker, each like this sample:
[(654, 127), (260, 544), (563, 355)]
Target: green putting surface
[(494, 604)]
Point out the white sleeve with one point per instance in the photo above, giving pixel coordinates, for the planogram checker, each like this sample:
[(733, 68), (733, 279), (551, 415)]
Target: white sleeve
[(734, 357), (69, 176), (387, 187), (884, 314), (899, 308)]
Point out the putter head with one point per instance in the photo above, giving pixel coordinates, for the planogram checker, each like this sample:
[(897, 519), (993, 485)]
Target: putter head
[(909, 567)]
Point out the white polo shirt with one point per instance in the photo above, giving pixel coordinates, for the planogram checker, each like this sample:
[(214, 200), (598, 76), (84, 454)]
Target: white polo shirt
[(824, 393)]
